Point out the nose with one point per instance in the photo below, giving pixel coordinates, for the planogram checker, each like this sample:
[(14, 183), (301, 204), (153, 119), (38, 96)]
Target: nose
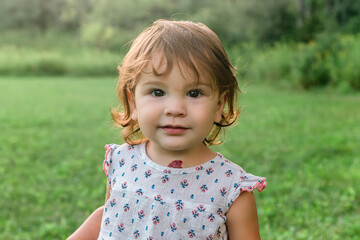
[(175, 107)]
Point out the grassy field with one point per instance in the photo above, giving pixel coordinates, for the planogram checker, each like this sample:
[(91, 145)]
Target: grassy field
[(52, 133)]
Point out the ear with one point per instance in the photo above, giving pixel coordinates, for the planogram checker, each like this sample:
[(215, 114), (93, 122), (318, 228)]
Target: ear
[(220, 107), (131, 100)]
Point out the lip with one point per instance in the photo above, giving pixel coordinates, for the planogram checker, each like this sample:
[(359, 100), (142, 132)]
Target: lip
[(174, 129)]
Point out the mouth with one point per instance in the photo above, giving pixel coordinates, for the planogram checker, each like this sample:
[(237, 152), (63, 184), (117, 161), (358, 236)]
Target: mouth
[(174, 129)]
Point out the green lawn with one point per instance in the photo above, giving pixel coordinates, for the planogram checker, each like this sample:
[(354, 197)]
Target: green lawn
[(52, 133)]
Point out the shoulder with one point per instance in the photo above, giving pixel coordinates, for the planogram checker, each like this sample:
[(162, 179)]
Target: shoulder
[(112, 147), (117, 152), (242, 219), (237, 180), (123, 149), (231, 170), (243, 180)]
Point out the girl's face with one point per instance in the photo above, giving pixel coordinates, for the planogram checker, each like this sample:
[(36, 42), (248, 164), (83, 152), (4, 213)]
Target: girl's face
[(175, 111)]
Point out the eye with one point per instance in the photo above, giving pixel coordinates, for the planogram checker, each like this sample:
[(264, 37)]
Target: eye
[(157, 93), (194, 93)]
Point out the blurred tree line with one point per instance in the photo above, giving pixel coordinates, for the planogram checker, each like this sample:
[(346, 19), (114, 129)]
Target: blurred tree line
[(111, 23), (300, 43)]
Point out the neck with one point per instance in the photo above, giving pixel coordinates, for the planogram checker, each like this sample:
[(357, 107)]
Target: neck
[(189, 158)]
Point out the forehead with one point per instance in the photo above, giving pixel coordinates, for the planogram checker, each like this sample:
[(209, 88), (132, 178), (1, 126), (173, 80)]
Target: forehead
[(159, 65)]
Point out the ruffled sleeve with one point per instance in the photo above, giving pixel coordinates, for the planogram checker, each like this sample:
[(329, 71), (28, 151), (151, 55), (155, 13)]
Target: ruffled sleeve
[(246, 182), (107, 165), (250, 182)]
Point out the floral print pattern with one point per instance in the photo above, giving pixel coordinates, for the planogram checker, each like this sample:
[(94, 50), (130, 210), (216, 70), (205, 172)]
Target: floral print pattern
[(151, 201)]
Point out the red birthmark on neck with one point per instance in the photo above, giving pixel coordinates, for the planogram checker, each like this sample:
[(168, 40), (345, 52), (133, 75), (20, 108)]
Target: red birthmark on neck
[(175, 164)]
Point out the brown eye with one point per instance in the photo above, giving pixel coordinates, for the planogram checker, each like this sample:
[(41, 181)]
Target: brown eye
[(158, 93), (194, 93)]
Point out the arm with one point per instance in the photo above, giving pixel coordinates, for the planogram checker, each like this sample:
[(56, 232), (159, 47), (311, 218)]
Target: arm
[(91, 227), (242, 219)]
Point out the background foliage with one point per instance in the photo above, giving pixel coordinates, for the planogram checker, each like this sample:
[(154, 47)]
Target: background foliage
[(88, 37)]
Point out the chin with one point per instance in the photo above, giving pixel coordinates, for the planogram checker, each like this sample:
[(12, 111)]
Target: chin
[(179, 146), (172, 145), (175, 148)]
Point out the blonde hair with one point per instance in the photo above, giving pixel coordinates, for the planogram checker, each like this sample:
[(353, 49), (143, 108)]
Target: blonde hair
[(193, 45)]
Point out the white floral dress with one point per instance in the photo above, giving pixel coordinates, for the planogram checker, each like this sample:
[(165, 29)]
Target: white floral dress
[(151, 201)]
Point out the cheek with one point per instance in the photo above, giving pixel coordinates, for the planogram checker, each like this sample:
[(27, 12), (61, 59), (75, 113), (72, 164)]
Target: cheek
[(216, 112), (147, 114), (205, 115)]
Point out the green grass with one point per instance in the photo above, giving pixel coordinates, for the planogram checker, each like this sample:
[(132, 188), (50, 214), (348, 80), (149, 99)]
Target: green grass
[(51, 152)]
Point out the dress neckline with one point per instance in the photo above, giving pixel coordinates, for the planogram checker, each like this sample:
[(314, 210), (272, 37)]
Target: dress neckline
[(166, 169)]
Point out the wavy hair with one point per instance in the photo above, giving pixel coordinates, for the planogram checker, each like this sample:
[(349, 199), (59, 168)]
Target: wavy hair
[(190, 44)]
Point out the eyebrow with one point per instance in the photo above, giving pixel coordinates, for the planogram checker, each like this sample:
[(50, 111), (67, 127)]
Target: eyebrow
[(153, 82), (188, 84), (199, 83)]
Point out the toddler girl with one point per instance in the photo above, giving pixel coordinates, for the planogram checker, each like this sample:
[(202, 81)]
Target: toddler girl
[(178, 91)]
